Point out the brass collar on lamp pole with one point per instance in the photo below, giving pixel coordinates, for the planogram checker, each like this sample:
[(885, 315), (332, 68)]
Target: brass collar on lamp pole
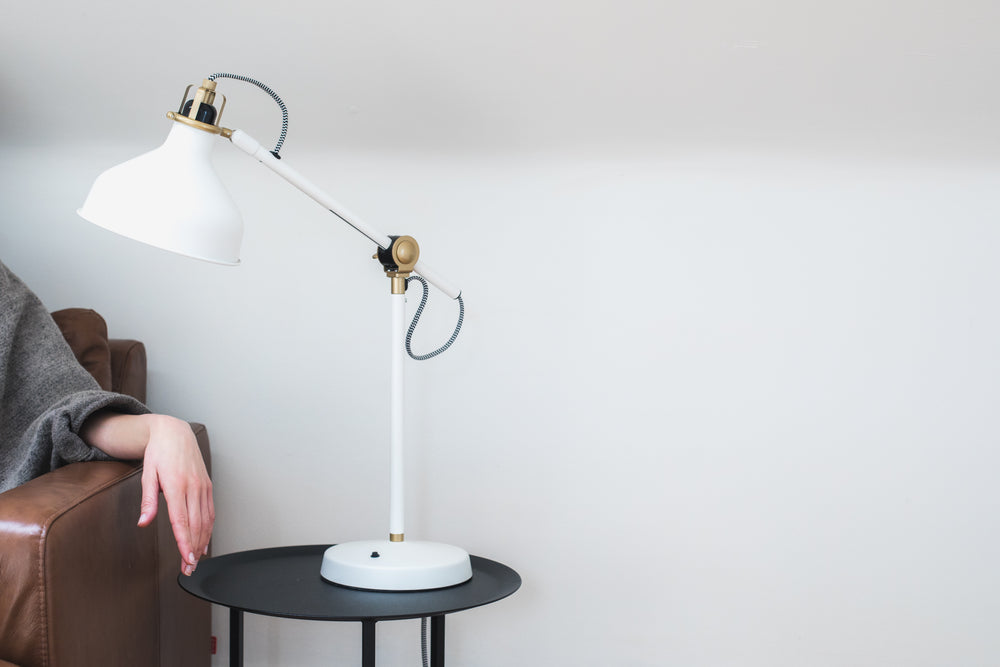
[(399, 260)]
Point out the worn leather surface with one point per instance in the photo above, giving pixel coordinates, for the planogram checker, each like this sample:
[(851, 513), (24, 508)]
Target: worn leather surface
[(128, 367), (80, 583), (77, 578), (87, 334)]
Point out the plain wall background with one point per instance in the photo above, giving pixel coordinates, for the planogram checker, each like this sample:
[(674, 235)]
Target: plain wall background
[(726, 392)]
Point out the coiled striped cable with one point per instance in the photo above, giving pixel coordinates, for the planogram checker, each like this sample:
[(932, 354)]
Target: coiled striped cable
[(416, 318), (274, 96)]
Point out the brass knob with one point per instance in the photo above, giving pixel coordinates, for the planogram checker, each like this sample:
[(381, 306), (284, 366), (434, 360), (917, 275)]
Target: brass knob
[(405, 253)]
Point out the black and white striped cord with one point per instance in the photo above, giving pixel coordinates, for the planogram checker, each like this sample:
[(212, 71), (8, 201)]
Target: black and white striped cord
[(274, 96), (416, 318), (423, 641)]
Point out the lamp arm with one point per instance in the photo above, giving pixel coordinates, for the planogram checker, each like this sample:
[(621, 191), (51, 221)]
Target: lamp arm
[(254, 149)]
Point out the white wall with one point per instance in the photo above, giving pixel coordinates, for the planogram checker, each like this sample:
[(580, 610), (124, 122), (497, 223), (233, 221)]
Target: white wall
[(726, 390)]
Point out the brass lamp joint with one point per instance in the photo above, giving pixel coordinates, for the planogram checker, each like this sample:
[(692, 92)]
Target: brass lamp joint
[(398, 260)]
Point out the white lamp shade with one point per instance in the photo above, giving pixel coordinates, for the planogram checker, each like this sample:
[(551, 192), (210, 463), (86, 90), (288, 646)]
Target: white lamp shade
[(170, 198)]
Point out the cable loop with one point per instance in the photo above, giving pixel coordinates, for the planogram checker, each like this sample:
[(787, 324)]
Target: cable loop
[(416, 318), (274, 96)]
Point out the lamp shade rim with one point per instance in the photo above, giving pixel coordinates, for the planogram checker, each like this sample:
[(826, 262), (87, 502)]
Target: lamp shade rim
[(205, 258)]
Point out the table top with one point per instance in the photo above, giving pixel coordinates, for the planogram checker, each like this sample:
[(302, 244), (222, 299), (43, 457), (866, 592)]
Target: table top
[(285, 581)]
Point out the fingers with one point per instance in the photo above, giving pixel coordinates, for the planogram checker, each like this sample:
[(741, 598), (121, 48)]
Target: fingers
[(150, 497), (174, 466), (192, 518), (180, 523), (208, 519), (201, 518), (196, 525)]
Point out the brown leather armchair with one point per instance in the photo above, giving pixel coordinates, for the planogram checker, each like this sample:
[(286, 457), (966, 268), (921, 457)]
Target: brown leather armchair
[(80, 584)]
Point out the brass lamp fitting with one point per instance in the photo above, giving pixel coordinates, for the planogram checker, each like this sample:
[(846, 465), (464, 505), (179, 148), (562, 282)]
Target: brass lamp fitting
[(198, 111), (398, 260)]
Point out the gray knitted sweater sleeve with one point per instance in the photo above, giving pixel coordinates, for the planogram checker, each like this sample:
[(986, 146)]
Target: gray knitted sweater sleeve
[(45, 394)]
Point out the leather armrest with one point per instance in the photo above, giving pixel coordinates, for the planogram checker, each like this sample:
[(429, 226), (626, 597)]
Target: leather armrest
[(80, 583), (77, 576)]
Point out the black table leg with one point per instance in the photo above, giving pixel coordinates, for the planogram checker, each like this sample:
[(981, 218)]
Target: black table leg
[(368, 643), (235, 638), (437, 641)]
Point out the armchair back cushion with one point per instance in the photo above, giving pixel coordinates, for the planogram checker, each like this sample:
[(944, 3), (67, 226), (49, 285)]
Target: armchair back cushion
[(87, 334)]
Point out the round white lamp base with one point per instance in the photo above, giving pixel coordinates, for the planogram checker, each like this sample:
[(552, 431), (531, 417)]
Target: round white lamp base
[(381, 565)]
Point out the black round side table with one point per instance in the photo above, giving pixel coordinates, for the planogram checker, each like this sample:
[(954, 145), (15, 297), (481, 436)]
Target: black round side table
[(285, 582)]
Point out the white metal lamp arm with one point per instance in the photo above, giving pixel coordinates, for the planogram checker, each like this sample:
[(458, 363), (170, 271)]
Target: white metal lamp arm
[(254, 149)]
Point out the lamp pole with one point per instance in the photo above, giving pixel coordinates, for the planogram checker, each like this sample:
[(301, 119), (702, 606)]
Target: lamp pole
[(398, 261)]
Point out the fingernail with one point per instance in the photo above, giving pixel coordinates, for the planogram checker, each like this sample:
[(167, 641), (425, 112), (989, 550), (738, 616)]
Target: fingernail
[(192, 559), (188, 570), (205, 552), (142, 517)]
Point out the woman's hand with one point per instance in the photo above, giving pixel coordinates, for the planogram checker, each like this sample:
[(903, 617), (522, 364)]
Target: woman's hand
[(172, 463)]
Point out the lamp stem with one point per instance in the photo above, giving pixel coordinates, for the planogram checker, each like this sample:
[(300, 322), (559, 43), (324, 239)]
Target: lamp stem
[(396, 473)]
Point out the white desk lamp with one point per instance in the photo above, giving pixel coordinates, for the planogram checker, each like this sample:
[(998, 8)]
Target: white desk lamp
[(172, 198)]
